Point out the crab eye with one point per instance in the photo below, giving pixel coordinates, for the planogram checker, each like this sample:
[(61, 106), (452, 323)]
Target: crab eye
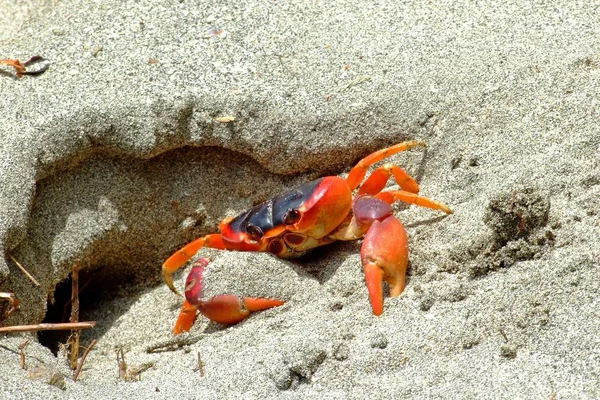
[(254, 231), (291, 217)]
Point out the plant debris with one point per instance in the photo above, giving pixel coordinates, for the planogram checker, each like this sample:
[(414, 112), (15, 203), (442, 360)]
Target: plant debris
[(21, 68)]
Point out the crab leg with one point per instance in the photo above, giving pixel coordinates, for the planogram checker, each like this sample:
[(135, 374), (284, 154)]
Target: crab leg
[(412, 198), (384, 256), (358, 172), (224, 309), (375, 183), (186, 318), (183, 255)]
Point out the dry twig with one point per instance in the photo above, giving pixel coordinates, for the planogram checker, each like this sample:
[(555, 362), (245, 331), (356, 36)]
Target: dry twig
[(175, 343), (359, 80), (13, 304), (130, 374), (27, 274), (68, 303), (85, 354), (122, 364), (48, 327), (75, 315), (22, 356)]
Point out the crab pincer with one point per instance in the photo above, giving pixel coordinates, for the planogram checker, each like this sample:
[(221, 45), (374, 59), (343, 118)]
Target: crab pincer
[(384, 252), (224, 308), (384, 255)]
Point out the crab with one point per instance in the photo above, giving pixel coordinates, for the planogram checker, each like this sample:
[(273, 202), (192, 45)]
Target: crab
[(314, 214)]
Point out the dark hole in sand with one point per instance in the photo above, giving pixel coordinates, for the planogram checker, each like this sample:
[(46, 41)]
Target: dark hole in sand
[(104, 295), (54, 314)]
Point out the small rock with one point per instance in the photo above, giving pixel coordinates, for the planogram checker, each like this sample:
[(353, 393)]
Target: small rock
[(304, 364), (282, 378), (426, 303), (48, 374), (297, 366), (508, 350), (340, 351), (474, 162), (470, 342), (379, 341)]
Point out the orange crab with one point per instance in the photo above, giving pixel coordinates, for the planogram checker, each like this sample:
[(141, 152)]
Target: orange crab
[(314, 214)]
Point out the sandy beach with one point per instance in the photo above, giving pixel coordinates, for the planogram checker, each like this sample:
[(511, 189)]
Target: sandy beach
[(156, 119)]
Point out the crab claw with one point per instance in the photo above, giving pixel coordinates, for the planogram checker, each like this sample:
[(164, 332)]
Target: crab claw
[(178, 259), (384, 255), (183, 255), (224, 309)]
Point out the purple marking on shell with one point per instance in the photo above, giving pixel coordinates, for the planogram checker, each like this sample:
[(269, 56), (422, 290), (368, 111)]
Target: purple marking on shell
[(194, 285), (368, 209)]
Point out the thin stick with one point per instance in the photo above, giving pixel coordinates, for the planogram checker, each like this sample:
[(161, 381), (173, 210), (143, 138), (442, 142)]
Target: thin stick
[(174, 344), (14, 304), (27, 274), (75, 314), (85, 354), (122, 364), (137, 372), (130, 374), (64, 315), (48, 327), (22, 350), (360, 79)]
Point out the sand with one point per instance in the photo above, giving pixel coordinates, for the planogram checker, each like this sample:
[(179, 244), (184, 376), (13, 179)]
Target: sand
[(156, 119)]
